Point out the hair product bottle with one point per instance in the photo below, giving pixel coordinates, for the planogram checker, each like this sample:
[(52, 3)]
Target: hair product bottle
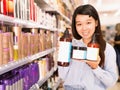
[(10, 6), (93, 49), (1, 48), (64, 53), (15, 43), (79, 52), (1, 6)]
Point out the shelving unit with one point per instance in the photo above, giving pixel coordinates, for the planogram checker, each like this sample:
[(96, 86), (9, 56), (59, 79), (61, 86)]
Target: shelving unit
[(40, 82), (24, 23), (49, 8), (31, 24), (14, 64)]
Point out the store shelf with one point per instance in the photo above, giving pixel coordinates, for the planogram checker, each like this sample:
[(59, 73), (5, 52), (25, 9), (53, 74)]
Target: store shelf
[(41, 54), (24, 23), (14, 21), (57, 84), (64, 17), (49, 8), (44, 5), (34, 87), (61, 14), (49, 74), (14, 64), (40, 82)]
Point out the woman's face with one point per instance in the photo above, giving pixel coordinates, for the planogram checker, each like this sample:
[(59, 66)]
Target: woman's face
[(85, 26)]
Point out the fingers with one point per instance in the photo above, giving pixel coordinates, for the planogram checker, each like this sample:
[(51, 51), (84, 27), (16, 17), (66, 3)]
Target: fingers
[(93, 64), (99, 59)]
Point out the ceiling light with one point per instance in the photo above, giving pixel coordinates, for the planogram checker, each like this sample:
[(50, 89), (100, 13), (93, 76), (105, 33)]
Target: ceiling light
[(117, 13)]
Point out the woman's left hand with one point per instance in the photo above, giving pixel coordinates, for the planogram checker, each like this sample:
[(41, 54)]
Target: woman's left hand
[(93, 64)]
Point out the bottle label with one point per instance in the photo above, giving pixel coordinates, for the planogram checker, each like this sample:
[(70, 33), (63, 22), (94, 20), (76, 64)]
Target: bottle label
[(79, 54), (15, 47), (64, 51), (92, 53)]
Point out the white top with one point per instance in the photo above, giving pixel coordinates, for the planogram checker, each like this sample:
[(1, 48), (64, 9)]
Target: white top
[(80, 75)]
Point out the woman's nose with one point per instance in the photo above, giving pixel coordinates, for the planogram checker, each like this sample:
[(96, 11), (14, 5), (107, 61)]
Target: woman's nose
[(84, 27)]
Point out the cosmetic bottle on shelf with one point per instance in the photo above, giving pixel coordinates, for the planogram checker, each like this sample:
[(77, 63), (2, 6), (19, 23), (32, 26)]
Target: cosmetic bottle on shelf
[(1, 6)]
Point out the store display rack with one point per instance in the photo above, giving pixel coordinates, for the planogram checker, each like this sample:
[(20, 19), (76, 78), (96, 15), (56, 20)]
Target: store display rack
[(7, 20), (24, 23), (14, 64), (49, 8), (40, 82)]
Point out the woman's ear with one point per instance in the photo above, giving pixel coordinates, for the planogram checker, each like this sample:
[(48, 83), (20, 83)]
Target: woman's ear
[(96, 23)]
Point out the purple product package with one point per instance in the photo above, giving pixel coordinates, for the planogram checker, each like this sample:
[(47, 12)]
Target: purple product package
[(2, 85)]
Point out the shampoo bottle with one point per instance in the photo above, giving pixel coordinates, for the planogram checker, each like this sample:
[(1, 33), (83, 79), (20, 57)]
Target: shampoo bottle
[(64, 53), (93, 49)]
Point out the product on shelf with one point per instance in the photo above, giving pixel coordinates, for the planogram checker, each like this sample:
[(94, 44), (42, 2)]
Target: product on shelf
[(42, 40), (6, 53), (24, 44), (50, 61), (3, 28), (1, 6), (43, 68), (31, 9), (51, 83), (34, 33), (48, 39), (11, 45), (21, 78), (6, 47), (8, 7), (1, 49), (16, 42)]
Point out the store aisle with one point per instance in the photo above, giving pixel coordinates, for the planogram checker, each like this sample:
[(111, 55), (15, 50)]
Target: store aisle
[(116, 87)]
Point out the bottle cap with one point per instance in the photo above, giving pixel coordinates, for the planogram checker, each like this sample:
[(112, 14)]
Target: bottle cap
[(66, 33)]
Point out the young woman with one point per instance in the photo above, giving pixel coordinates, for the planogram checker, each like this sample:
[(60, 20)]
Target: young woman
[(86, 74)]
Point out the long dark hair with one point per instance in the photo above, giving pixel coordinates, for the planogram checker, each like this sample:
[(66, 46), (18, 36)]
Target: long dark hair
[(92, 12)]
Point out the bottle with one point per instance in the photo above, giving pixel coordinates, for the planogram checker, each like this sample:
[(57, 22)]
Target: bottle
[(93, 49), (15, 48), (1, 6), (79, 52), (2, 84), (64, 53), (10, 7)]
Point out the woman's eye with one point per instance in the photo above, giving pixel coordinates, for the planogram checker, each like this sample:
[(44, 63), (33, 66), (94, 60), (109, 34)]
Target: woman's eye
[(88, 22), (78, 24)]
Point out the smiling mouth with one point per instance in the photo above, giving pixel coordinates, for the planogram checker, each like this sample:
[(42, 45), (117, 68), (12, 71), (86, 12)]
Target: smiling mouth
[(85, 33)]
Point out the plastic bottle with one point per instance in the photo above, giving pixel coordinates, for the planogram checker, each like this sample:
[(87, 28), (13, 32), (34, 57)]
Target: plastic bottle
[(2, 86), (64, 53), (1, 6), (15, 48), (93, 49)]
